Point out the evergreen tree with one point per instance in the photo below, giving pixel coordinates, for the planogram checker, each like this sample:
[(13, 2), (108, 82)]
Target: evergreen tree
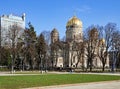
[(30, 41), (41, 51)]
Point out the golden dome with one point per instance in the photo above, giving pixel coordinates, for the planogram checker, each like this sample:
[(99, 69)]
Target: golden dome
[(102, 41), (74, 21)]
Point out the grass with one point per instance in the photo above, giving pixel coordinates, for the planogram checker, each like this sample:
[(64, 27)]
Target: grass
[(17, 82)]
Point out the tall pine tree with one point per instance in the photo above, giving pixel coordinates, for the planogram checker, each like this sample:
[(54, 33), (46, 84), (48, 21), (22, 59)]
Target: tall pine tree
[(41, 50)]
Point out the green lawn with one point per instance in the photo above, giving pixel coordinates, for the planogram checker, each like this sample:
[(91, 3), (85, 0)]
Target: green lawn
[(17, 82)]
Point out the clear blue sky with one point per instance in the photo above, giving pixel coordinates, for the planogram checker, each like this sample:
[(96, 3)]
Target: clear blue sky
[(49, 14)]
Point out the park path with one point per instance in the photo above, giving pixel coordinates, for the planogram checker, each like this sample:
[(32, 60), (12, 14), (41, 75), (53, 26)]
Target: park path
[(96, 85)]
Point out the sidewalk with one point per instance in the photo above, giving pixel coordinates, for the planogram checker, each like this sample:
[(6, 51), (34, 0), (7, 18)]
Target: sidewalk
[(96, 85)]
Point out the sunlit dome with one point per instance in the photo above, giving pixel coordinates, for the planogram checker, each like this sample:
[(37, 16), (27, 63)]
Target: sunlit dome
[(74, 21), (102, 41)]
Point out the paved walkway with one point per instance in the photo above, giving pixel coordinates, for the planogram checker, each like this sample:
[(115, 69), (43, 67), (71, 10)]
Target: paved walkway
[(97, 85)]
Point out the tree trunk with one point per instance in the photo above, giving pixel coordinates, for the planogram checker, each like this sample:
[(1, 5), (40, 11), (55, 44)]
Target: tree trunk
[(103, 69), (87, 65), (90, 65), (52, 64), (90, 68), (39, 65)]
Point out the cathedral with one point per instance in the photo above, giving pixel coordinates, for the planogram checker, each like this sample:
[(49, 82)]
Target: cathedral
[(71, 53)]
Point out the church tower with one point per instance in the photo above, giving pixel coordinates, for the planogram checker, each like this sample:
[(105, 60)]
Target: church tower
[(54, 35), (74, 29)]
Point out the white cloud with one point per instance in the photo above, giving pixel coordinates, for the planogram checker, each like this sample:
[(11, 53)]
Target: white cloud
[(84, 9)]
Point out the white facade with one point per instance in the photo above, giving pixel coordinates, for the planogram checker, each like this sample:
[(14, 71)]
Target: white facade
[(6, 22), (66, 54)]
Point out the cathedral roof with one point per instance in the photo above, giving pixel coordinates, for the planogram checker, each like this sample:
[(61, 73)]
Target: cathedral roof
[(54, 30), (74, 21)]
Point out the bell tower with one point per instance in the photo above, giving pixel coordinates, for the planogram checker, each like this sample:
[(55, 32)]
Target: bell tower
[(54, 35), (74, 29)]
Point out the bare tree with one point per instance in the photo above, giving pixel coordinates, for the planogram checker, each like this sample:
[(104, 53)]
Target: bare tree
[(20, 54), (80, 53), (107, 33), (116, 49), (91, 40), (13, 35), (101, 52)]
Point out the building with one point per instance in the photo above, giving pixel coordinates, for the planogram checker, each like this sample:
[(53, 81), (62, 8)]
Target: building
[(6, 23), (71, 54)]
